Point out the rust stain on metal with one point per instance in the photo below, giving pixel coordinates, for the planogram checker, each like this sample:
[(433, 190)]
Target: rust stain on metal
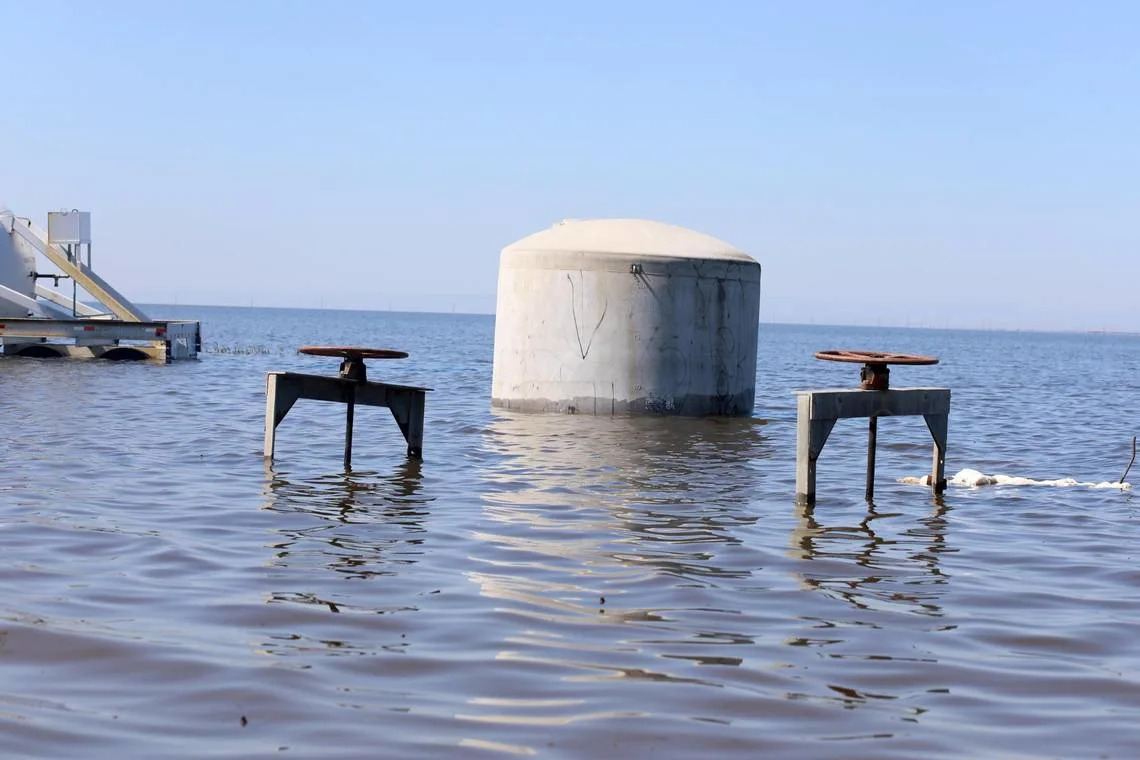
[(353, 352), (875, 374), (352, 367)]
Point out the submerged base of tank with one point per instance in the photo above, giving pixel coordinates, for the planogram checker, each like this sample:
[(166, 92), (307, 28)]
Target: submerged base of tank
[(690, 405)]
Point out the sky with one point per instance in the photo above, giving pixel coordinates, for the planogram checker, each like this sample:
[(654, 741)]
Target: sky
[(963, 165)]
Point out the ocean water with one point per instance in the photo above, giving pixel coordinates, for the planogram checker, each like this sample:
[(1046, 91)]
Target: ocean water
[(564, 586)]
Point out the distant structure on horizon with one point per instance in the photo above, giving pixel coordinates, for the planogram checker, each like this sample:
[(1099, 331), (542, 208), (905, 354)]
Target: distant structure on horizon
[(95, 321), (610, 316)]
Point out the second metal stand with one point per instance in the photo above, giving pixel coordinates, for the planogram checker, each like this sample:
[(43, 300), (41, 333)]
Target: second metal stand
[(818, 411)]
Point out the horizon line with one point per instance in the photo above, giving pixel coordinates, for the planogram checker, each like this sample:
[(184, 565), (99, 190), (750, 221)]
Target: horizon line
[(790, 323)]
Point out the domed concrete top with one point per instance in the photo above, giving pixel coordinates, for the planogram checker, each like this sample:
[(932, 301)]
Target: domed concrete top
[(637, 237)]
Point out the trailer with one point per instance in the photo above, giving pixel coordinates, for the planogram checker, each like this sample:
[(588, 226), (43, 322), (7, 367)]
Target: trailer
[(94, 320)]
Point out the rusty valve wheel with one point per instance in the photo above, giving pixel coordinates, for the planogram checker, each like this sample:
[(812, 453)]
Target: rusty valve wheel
[(352, 366), (874, 376)]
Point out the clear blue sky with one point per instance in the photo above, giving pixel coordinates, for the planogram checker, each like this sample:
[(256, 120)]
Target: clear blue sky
[(971, 164)]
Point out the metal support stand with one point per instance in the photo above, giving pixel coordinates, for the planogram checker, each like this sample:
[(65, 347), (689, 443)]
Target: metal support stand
[(406, 402), (818, 411)]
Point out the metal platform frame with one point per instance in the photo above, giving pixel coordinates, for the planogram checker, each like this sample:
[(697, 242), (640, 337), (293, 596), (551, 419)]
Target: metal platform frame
[(406, 402), (96, 338), (817, 411)]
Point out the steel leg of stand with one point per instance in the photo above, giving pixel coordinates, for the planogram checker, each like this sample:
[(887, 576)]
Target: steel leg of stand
[(872, 440), (350, 409)]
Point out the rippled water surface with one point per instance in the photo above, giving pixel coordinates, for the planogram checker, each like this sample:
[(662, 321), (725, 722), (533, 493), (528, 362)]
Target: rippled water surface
[(563, 586)]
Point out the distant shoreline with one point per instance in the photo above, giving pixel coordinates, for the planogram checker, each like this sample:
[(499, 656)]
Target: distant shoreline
[(1031, 330)]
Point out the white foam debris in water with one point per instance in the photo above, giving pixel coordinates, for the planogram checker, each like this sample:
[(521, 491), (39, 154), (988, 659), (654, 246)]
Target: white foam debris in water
[(974, 478)]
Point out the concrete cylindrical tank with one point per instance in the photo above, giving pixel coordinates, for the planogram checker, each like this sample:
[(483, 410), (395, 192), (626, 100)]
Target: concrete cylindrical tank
[(608, 316), (16, 267)]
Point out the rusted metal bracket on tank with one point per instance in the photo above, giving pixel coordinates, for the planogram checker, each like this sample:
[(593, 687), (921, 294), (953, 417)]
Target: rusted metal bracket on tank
[(350, 387), (818, 411)]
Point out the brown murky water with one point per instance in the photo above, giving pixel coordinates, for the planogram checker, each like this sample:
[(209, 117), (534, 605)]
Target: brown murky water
[(563, 586)]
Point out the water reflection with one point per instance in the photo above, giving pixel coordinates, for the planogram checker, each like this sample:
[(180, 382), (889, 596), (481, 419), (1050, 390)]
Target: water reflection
[(337, 535), (345, 495), (866, 576), (618, 542), (357, 524), (546, 459), (665, 495), (868, 566)]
